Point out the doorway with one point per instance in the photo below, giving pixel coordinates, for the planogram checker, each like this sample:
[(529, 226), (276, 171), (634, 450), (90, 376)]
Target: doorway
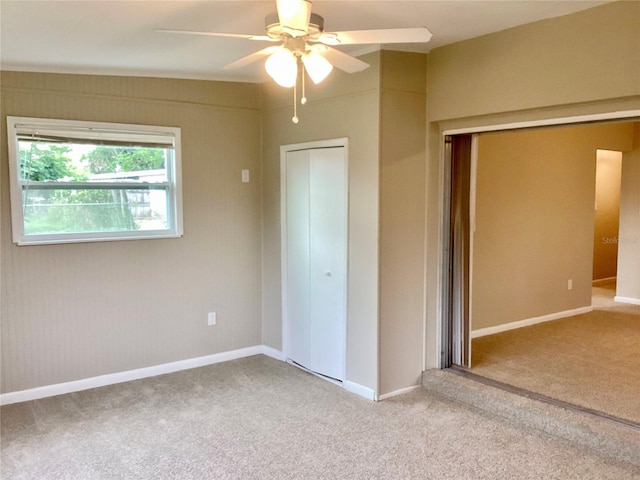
[(515, 290), (606, 226), (314, 256)]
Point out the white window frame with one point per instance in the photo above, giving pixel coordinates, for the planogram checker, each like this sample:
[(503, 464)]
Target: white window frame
[(94, 131)]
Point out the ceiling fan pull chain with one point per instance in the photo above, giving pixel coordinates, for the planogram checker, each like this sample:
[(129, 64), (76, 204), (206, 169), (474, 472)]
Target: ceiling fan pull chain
[(303, 100), (295, 104)]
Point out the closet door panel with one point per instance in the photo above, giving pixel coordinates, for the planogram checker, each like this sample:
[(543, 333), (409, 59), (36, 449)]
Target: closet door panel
[(316, 259), (298, 308), (327, 214)]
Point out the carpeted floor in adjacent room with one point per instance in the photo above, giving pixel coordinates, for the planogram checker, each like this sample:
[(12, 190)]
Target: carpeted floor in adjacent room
[(591, 360)]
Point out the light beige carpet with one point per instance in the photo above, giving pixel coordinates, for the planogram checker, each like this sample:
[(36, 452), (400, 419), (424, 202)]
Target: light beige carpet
[(258, 418), (591, 360)]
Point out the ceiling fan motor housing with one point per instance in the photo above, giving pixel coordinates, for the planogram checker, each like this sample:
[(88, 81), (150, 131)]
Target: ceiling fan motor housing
[(279, 32)]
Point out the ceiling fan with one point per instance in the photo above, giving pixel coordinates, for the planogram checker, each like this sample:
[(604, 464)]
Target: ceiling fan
[(304, 46)]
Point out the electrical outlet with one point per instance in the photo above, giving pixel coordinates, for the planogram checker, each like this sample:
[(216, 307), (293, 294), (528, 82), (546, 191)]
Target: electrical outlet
[(245, 176), (211, 318), (570, 284)]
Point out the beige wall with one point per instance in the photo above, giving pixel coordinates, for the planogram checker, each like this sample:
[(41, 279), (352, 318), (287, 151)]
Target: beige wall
[(535, 220), (576, 58), (342, 106), (548, 69), (402, 210), (629, 235), (607, 213), (386, 209), (80, 310), (226, 261)]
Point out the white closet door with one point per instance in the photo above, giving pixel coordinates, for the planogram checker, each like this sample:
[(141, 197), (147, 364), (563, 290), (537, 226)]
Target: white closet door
[(316, 263), (298, 256)]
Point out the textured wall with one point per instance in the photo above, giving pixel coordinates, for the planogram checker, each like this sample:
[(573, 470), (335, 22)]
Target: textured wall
[(571, 59), (402, 210), (579, 64), (80, 310), (535, 220), (344, 105)]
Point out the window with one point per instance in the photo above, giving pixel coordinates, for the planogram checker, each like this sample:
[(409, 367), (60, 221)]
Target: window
[(77, 181)]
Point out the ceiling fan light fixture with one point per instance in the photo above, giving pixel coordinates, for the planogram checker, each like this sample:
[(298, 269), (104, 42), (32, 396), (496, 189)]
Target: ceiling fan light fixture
[(282, 66), (294, 16), (316, 66)]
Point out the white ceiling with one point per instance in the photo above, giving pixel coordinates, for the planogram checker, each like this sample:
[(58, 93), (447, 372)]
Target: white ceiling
[(118, 37)]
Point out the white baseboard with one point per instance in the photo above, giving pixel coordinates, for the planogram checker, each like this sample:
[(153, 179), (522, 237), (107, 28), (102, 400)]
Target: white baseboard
[(273, 353), (139, 373), (632, 301), (358, 389), (603, 281), (352, 387), (113, 378), (399, 392), (481, 332)]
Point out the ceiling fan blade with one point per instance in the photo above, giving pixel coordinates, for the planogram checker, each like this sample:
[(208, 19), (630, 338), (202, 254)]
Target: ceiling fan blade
[(341, 60), (388, 35), (254, 57), (262, 38)]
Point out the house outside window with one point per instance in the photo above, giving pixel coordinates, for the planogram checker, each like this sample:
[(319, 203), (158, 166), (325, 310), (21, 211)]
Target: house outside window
[(75, 181)]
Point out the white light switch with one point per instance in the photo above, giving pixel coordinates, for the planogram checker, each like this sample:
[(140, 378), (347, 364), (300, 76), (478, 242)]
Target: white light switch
[(211, 318), (245, 176)]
